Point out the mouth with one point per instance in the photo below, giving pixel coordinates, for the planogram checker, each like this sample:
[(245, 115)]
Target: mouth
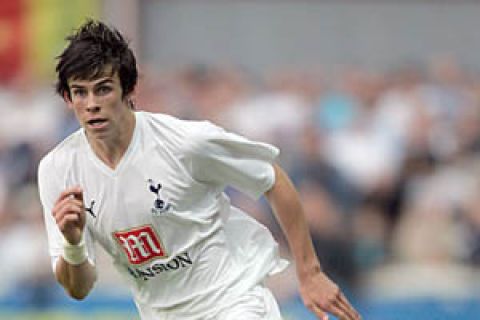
[(97, 123)]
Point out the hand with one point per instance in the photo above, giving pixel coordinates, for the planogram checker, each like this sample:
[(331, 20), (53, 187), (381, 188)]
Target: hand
[(69, 213), (321, 295)]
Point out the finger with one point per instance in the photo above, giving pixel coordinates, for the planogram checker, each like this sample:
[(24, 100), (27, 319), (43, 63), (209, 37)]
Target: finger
[(68, 221), (68, 194), (73, 191), (63, 206), (65, 201), (71, 215), (78, 194), (67, 209), (330, 304), (346, 313), (319, 312), (346, 306), (335, 310)]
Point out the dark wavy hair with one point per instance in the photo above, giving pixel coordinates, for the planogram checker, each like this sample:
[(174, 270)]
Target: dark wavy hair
[(92, 50)]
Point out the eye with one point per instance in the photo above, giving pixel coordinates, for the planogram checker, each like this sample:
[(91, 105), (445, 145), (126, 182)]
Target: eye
[(102, 90), (79, 93)]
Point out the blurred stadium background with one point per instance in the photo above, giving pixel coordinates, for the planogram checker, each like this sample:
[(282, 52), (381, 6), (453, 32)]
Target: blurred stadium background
[(374, 104)]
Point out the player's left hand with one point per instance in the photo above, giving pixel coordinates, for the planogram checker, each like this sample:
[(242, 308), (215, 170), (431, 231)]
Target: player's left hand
[(322, 295)]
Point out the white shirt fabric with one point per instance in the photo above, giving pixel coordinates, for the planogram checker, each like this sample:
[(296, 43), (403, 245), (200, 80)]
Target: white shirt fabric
[(162, 216)]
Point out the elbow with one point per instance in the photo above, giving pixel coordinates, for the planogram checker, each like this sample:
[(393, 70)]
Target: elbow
[(78, 294), (77, 281), (79, 291)]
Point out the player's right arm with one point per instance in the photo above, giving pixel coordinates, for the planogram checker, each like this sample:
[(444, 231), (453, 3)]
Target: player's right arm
[(73, 269)]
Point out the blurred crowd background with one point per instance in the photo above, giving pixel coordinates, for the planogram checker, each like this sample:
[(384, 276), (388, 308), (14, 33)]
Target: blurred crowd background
[(375, 106)]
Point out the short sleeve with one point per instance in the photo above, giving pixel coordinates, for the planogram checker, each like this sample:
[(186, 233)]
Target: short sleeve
[(228, 159), (50, 187)]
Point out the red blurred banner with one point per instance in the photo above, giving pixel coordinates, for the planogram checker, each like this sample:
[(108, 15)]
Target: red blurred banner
[(12, 38)]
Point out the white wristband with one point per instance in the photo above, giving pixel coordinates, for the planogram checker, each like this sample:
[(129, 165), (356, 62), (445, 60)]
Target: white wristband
[(74, 254)]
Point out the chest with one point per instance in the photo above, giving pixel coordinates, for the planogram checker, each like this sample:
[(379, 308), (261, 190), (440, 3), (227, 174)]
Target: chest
[(152, 205)]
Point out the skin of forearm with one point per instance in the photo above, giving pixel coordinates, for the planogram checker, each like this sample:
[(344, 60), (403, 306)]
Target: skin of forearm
[(77, 280), (285, 202)]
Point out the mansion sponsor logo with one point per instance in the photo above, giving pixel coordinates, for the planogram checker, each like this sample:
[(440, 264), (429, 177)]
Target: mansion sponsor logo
[(146, 273), (141, 245)]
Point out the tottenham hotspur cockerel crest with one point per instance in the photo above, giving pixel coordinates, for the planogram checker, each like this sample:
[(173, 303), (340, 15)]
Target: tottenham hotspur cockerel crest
[(160, 205)]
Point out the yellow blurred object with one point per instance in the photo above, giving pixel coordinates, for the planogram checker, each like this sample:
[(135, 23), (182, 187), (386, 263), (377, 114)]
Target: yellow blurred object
[(47, 23)]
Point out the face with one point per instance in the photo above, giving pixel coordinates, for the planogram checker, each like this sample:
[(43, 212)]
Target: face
[(99, 106)]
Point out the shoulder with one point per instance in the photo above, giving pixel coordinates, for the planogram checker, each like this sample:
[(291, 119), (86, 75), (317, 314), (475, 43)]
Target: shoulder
[(61, 155), (172, 123), (183, 133)]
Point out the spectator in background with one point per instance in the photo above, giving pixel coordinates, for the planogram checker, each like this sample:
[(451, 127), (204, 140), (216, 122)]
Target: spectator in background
[(22, 223)]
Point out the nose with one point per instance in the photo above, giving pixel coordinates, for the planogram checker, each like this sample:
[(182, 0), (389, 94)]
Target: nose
[(92, 103)]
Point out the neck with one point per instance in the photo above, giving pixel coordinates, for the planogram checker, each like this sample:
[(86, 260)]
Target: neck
[(111, 149)]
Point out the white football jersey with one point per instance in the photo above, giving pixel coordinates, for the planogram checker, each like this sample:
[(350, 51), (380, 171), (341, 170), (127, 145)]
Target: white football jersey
[(162, 215)]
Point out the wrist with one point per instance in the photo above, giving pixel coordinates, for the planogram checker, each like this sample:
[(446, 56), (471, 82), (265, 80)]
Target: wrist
[(307, 270), (74, 254)]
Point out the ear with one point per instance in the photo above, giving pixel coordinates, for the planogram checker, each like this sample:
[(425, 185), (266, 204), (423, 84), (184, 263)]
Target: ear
[(132, 93), (67, 99), (130, 98)]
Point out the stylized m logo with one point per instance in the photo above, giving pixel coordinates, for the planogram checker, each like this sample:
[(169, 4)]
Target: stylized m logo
[(140, 244)]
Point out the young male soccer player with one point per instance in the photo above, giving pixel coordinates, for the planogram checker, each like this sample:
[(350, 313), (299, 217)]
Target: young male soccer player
[(149, 189)]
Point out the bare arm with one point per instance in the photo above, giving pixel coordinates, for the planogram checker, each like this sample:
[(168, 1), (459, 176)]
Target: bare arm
[(69, 213), (318, 292), (77, 280)]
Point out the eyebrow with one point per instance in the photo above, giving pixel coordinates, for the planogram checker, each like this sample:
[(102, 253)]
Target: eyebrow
[(99, 83)]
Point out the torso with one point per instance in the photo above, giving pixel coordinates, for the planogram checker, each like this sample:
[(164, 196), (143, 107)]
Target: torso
[(165, 230), (151, 216)]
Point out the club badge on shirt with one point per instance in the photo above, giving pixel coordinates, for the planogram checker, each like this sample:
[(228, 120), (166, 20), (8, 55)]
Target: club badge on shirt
[(160, 205)]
